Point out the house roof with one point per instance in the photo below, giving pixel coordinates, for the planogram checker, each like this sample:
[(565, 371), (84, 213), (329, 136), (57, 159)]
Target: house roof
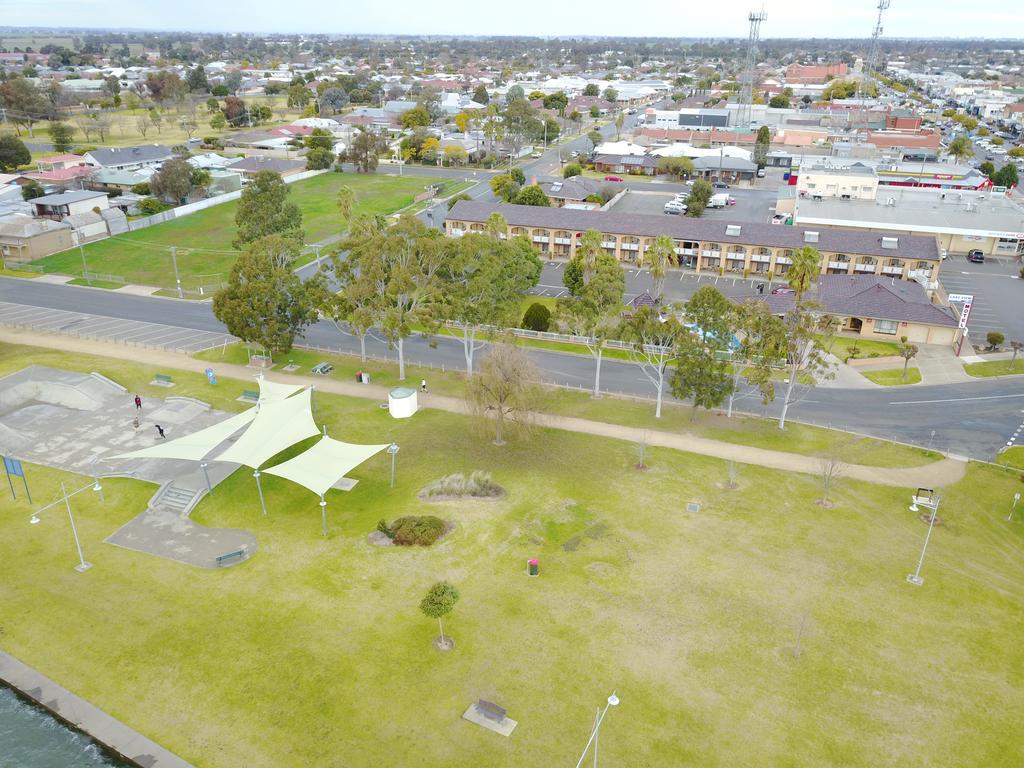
[(64, 198), (264, 163), (641, 161), (880, 298), (573, 188), (144, 153), (708, 230), (20, 226)]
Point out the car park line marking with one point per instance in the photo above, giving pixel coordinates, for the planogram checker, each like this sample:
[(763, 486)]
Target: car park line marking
[(954, 400)]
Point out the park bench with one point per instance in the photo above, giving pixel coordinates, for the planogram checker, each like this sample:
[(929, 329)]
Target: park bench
[(251, 394), (163, 380), (239, 553), (490, 710)]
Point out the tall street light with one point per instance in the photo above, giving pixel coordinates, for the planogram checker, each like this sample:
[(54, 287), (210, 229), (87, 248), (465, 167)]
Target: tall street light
[(393, 451), (932, 503), (83, 565), (613, 701)]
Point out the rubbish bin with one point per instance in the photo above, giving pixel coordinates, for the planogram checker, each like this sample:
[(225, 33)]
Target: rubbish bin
[(365, 377), (533, 567)]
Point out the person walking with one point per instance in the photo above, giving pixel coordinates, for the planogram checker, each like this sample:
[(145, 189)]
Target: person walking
[(423, 385), (138, 403), (160, 431)]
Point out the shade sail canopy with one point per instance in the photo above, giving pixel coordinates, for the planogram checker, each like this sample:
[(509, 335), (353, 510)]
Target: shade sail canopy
[(278, 425), (195, 446), (324, 464), (272, 391)]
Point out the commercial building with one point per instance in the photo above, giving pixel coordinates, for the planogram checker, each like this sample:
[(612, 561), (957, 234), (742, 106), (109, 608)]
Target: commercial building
[(853, 182), (959, 221), (708, 245)]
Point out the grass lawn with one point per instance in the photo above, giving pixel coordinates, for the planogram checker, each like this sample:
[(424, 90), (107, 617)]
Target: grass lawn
[(1012, 457), (143, 257), (676, 417), (840, 347), (893, 377), (994, 368), (778, 629), (4, 272)]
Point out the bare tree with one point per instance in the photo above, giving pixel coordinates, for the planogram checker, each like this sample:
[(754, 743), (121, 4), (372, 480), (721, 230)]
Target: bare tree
[(85, 124), (831, 469), (505, 388), (1016, 346), (142, 123)]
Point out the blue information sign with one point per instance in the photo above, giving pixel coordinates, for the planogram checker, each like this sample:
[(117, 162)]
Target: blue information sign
[(13, 467)]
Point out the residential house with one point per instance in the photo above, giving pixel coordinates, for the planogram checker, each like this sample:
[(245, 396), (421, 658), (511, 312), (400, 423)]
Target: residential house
[(128, 158), (59, 207), (250, 166), (24, 239), (59, 172), (572, 192)]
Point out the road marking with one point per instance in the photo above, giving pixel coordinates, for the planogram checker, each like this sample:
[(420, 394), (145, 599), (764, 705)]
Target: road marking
[(953, 400)]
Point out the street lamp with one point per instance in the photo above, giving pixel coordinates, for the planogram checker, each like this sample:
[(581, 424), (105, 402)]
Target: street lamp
[(613, 701), (393, 450), (929, 502), (83, 565), (1016, 498)]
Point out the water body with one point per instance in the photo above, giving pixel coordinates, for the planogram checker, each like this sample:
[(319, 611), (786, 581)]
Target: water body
[(31, 738)]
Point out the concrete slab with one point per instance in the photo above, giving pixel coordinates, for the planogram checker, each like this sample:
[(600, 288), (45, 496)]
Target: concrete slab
[(505, 727), (56, 279), (138, 290)]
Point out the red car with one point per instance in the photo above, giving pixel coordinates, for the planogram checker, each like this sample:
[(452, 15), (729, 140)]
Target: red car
[(612, 178)]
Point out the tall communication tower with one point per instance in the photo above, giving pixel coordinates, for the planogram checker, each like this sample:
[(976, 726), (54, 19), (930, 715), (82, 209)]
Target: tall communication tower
[(745, 113), (872, 63)]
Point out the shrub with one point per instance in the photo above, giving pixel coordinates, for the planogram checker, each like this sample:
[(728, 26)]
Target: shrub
[(572, 169), (150, 205), (455, 198), (382, 526), (994, 339), (141, 188), (853, 351), (82, 150), (416, 530), (537, 317), (478, 485)]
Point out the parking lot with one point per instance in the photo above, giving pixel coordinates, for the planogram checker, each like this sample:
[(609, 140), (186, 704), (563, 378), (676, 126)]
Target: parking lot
[(110, 329), (998, 295), (751, 204)]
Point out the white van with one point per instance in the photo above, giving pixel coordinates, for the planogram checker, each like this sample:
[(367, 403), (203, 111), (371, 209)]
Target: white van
[(718, 201)]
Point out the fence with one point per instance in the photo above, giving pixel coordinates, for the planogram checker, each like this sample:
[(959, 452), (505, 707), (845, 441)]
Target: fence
[(100, 277)]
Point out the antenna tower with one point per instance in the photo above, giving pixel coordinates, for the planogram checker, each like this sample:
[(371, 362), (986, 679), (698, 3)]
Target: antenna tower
[(872, 63), (744, 116)]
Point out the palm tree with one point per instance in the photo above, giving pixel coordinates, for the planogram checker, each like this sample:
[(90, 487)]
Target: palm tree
[(658, 258), (960, 148), (496, 225), (804, 271), (588, 249)]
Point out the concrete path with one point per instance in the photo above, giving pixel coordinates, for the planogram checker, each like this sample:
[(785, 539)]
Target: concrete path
[(138, 290), (937, 474), (846, 377), (87, 718)]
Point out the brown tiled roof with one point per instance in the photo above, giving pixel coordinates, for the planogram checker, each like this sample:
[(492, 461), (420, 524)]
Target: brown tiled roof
[(918, 247)]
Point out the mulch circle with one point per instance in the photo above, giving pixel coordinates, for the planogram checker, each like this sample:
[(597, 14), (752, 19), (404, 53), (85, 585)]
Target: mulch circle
[(447, 645), (926, 517)]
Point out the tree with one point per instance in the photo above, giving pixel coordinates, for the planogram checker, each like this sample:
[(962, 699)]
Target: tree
[(680, 167), (345, 201), (319, 138), (25, 104), (480, 95), (457, 198), (504, 186), (233, 82), (653, 341), (556, 101), (1016, 346), (697, 200), (462, 120), (364, 151), (808, 331), (173, 182), (763, 141), (532, 195), (62, 136), (805, 270), (994, 339), (1006, 176), (762, 344), (572, 169), (987, 168), (620, 120), (332, 101), (298, 96), (610, 94), (13, 153), (1015, 152), (265, 302), (960, 149), (778, 102), (505, 388), (593, 311), (218, 122), (417, 116), (196, 80), (595, 111), (31, 189), (702, 370), (658, 257), (264, 210), (592, 89), (236, 112), (319, 159), (536, 318), (907, 352), (572, 276), (357, 303), (456, 155), (483, 280), (831, 469), (514, 93), (438, 602)]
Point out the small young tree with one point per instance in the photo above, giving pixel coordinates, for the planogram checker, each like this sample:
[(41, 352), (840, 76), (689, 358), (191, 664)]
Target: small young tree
[(1016, 346), (994, 340), (62, 136), (438, 602), (658, 257), (504, 388), (653, 346), (907, 352), (537, 318), (830, 470)]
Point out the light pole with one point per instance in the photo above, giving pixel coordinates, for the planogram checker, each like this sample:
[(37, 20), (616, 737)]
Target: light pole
[(393, 450), (174, 263), (613, 701), (83, 565), (932, 503), (1016, 498), (85, 268)]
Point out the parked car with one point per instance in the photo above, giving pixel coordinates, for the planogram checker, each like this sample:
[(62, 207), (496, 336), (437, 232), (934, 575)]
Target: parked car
[(976, 256), (731, 201), (536, 155), (720, 185), (781, 290), (612, 178), (675, 207), (322, 369), (760, 173)]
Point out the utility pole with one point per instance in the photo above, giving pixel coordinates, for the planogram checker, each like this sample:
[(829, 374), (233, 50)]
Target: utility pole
[(174, 262), (85, 269)]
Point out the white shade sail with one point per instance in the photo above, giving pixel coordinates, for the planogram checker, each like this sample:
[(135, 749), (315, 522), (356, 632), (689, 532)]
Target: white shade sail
[(272, 391), (195, 446), (323, 465), (278, 425)]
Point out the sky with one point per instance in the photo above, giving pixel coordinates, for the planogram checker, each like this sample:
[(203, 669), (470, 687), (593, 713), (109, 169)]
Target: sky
[(683, 18)]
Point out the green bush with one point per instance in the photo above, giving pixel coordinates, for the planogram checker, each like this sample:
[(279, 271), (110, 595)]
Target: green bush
[(382, 526), (537, 317), (416, 530), (994, 339), (478, 485), (572, 169), (141, 188), (852, 352), (82, 150), (150, 205)]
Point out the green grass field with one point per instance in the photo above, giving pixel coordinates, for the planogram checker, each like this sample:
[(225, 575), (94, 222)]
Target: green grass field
[(143, 257), (840, 346), (994, 368), (893, 377), (764, 629), (1012, 457)]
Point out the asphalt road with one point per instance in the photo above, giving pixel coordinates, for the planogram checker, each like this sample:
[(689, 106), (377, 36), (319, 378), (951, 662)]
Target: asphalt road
[(974, 419)]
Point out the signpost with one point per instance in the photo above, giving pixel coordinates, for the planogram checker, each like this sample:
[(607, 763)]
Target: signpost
[(967, 299), (14, 468)]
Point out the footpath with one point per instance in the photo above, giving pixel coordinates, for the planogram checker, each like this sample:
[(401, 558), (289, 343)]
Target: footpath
[(936, 474)]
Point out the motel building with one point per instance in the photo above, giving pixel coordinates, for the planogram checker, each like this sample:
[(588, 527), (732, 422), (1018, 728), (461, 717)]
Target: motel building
[(709, 245)]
